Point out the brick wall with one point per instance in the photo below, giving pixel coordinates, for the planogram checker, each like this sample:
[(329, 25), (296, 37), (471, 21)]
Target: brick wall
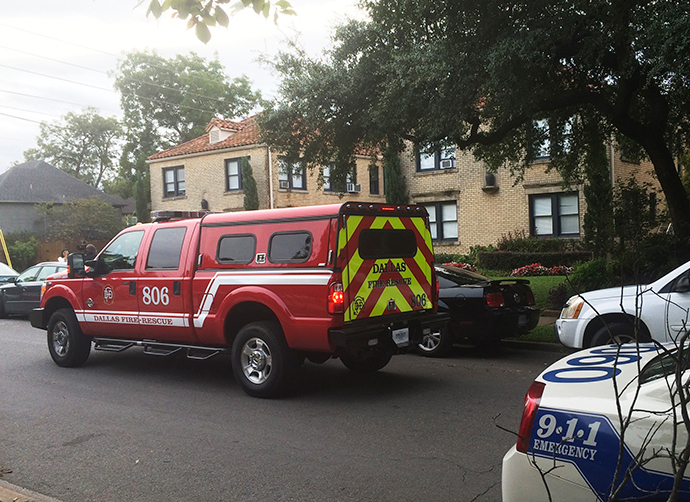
[(205, 179), (485, 214)]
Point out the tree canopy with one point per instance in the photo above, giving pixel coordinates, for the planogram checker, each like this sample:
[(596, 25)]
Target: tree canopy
[(167, 102), (84, 145), (200, 15), (501, 79)]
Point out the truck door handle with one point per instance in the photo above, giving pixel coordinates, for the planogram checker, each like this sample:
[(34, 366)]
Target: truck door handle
[(176, 288), (132, 288)]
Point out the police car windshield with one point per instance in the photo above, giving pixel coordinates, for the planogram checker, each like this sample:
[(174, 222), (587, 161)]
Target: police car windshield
[(666, 364)]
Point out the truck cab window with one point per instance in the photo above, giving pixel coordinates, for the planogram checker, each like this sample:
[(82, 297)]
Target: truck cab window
[(121, 254), (166, 248)]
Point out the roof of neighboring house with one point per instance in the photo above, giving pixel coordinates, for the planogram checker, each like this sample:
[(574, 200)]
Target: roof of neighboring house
[(37, 181), (245, 132)]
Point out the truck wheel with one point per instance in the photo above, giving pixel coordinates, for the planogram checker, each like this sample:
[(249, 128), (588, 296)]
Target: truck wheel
[(616, 332), (366, 362), (436, 344), (262, 362), (67, 345)]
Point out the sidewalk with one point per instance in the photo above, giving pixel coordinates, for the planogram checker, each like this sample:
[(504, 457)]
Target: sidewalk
[(12, 493)]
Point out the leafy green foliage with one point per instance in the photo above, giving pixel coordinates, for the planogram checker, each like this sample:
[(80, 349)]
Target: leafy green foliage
[(22, 248), (84, 145), (167, 102), (202, 14), (89, 219), (251, 194), (506, 80)]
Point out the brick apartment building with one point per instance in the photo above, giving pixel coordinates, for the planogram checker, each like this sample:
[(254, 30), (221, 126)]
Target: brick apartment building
[(467, 205), (205, 173)]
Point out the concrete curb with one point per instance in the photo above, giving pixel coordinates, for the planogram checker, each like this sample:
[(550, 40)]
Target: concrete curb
[(13, 493), (543, 346)]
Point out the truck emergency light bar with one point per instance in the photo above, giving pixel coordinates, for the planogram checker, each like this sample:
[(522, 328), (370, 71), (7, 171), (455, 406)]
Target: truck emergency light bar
[(380, 207), (168, 215)]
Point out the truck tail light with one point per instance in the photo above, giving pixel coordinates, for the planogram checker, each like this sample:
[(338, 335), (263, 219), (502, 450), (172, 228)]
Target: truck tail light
[(495, 300), (336, 298), (532, 400)]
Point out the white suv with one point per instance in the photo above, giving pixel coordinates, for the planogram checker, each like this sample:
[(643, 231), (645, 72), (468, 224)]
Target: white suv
[(656, 311)]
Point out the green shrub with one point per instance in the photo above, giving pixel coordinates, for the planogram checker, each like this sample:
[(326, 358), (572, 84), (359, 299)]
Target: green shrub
[(23, 252), (510, 260)]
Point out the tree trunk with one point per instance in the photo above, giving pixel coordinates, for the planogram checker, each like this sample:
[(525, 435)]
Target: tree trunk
[(676, 196)]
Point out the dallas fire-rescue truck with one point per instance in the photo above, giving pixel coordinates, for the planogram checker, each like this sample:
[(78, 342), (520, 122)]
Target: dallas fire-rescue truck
[(269, 287)]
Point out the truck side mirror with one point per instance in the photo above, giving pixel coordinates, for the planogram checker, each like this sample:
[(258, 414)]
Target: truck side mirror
[(75, 266)]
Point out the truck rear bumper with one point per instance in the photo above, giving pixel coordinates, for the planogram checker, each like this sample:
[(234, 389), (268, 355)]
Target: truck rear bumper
[(379, 332)]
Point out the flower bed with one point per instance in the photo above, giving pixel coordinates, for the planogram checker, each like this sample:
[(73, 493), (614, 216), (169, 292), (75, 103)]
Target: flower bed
[(536, 269)]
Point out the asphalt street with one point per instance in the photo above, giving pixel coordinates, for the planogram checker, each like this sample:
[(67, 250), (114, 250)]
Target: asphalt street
[(140, 428)]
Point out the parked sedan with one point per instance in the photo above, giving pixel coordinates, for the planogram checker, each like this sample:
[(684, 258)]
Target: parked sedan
[(6, 273), (23, 293), (658, 311), (482, 310), (603, 424)]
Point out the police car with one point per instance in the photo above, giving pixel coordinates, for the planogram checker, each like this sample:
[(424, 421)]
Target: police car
[(578, 442)]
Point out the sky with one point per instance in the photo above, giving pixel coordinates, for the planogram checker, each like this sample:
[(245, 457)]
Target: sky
[(55, 55)]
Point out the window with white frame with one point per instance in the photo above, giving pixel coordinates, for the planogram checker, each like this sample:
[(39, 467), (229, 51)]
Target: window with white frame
[(291, 175), (233, 174), (443, 220), (173, 181), (555, 215), (328, 184), (436, 157)]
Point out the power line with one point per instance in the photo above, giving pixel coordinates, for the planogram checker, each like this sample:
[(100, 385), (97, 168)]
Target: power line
[(54, 60), (20, 118), (42, 97), (56, 78), (29, 111)]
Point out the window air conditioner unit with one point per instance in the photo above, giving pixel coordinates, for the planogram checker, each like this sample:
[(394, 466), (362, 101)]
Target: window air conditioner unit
[(447, 164), (283, 184), (353, 187)]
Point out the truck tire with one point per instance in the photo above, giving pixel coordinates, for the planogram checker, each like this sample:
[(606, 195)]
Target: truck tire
[(615, 332), (3, 314), (437, 344), (67, 345), (262, 362), (366, 362)]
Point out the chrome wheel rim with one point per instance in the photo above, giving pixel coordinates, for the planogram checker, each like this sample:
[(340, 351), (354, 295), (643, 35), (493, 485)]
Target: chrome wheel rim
[(256, 361), (430, 341), (60, 338), (622, 339)]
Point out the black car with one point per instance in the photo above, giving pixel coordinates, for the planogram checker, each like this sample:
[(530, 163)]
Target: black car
[(7, 273), (482, 310), (23, 293)]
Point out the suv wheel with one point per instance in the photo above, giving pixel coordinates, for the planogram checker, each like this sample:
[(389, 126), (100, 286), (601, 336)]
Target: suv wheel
[(67, 345), (615, 332), (262, 362)]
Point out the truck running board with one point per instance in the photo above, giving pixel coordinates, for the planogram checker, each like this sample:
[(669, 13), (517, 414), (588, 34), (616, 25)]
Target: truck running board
[(154, 348)]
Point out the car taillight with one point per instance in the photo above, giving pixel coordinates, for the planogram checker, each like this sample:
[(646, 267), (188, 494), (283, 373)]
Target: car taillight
[(532, 400), (336, 299), (530, 297), (495, 300)]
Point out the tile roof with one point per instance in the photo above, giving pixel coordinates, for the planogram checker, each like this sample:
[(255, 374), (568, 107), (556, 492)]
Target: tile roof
[(37, 181), (247, 133)]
